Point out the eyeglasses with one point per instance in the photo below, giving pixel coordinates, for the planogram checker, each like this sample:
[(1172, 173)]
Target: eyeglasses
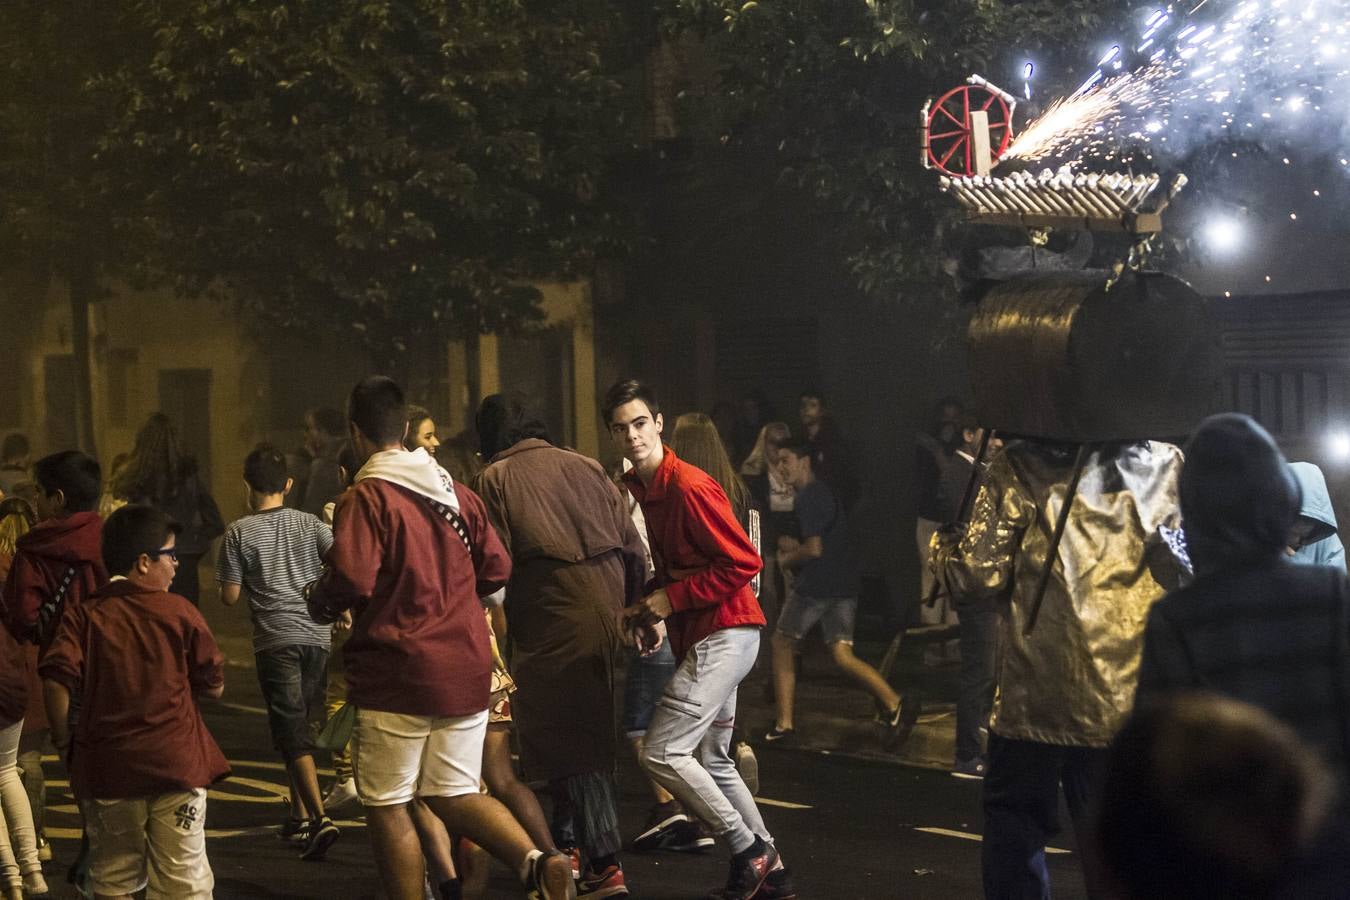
[(170, 552)]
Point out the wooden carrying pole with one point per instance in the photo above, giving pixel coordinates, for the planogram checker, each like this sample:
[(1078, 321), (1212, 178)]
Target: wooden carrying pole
[(1052, 554)]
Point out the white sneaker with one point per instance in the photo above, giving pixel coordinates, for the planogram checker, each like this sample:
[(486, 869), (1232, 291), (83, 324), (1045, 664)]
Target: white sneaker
[(342, 793), (748, 765), (34, 885)]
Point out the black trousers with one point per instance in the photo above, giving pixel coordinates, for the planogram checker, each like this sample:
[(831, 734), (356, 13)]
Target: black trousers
[(1021, 811)]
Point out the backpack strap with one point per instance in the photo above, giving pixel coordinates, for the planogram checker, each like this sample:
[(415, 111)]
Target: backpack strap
[(51, 608), (457, 522)]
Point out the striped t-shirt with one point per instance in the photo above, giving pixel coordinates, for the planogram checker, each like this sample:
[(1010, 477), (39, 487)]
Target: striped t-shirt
[(273, 555)]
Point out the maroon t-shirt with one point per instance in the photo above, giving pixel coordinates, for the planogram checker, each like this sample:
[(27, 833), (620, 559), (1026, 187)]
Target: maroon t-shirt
[(137, 658), (419, 641)]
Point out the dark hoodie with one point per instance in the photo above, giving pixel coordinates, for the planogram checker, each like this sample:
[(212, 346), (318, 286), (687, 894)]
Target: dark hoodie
[(1238, 497), (1252, 625), (43, 558)]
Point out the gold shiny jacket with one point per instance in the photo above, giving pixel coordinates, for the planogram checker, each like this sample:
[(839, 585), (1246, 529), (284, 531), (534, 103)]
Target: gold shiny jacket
[(1071, 682)]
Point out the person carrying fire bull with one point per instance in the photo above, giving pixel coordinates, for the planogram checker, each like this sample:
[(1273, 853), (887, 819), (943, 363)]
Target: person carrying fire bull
[(1068, 644)]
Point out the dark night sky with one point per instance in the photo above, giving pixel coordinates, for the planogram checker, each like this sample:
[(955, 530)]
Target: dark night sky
[(1309, 253)]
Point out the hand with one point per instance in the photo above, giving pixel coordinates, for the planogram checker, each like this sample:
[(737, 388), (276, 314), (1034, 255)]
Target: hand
[(343, 623), (648, 611), (650, 638), (657, 604), (787, 543)]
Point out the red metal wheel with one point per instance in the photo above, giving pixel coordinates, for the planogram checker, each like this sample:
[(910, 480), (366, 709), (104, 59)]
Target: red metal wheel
[(949, 143)]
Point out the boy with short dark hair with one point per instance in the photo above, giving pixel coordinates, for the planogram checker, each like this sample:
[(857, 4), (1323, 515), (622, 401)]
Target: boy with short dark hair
[(268, 557), (824, 591), (704, 565), (412, 554), (56, 564), (141, 758)]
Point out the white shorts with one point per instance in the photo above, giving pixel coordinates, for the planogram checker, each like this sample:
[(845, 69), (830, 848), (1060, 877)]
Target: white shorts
[(396, 757), (156, 843)]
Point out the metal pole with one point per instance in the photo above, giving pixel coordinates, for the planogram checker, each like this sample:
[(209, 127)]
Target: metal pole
[(1052, 554)]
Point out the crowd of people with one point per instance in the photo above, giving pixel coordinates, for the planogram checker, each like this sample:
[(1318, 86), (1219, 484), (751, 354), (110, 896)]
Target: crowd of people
[(1178, 664)]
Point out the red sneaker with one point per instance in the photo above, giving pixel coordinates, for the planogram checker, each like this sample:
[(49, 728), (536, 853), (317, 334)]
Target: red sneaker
[(749, 872), (608, 883)]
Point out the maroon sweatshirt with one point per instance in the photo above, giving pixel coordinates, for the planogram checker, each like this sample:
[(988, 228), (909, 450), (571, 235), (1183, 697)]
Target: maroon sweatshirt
[(43, 558), (136, 658), (419, 642)]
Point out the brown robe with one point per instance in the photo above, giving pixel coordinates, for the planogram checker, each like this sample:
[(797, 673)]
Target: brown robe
[(577, 562)]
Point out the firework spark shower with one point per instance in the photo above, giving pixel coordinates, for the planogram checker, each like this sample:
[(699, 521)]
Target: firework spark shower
[(1271, 71)]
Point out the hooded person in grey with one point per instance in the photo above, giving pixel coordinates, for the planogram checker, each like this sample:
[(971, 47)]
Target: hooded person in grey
[(1253, 625), (1315, 541)]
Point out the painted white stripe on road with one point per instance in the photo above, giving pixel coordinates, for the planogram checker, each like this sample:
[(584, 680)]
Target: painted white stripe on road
[(967, 836), (256, 710), (781, 804)]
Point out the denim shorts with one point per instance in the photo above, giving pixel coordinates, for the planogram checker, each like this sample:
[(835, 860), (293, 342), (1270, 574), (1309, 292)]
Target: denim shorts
[(835, 615), (294, 682), (646, 680)]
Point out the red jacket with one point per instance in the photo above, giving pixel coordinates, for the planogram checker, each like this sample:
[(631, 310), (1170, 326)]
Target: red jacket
[(137, 658), (43, 557), (702, 556), (419, 642)]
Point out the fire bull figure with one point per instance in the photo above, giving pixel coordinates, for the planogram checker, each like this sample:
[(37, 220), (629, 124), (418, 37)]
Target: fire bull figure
[(1064, 536)]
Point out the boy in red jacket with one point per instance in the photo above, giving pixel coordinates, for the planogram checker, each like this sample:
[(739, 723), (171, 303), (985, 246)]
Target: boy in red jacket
[(412, 554), (704, 565), (58, 563), (139, 658)]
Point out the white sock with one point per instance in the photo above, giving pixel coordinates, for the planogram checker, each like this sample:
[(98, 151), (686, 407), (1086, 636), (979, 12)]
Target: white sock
[(527, 867)]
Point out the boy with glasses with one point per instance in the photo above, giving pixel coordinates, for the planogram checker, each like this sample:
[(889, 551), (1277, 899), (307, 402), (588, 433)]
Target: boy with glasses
[(139, 659)]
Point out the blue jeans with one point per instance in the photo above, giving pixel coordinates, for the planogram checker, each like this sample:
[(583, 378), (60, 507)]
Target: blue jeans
[(646, 680), (979, 636), (1021, 811), (697, 713)]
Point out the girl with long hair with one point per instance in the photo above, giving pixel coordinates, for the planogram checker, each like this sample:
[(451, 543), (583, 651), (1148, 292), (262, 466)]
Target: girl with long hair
[(21, 838), (697, 442), (761, 459), (158, 474), (421, 431)]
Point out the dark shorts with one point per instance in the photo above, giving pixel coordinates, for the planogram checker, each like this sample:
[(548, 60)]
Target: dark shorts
[(294, 681)]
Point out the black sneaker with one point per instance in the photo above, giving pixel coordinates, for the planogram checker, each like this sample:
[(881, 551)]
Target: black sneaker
[(322, 834), (749, 870), (662, 825), (296, 831), (689, 837), (779, 734), (900, 723), (778, 885), (969, 768)]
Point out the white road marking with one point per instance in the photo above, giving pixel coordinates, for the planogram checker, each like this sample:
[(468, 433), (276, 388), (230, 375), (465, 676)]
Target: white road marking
[(967, 836), (781, 804), (256, 710)]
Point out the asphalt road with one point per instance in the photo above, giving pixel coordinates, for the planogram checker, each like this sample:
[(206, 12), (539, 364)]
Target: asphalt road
[(848, 829)]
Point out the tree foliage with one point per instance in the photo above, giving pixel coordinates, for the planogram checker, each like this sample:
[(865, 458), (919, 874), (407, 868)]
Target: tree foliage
[(400, 168), (67, 210), (827, 95)]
